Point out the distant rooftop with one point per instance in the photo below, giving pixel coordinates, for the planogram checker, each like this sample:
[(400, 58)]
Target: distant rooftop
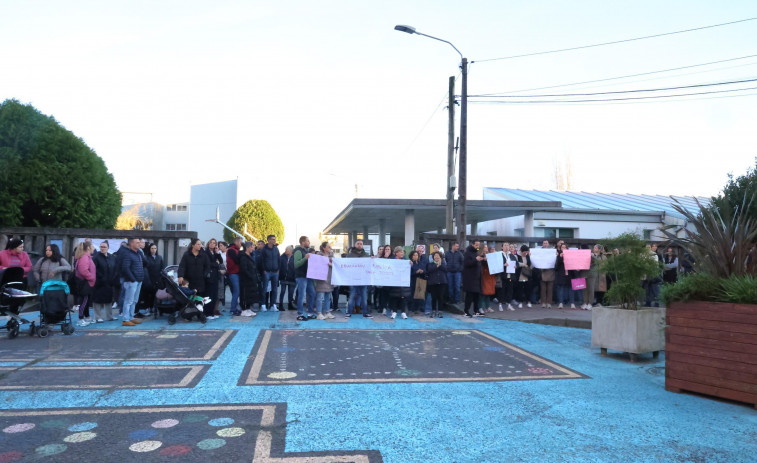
[(580, 200)]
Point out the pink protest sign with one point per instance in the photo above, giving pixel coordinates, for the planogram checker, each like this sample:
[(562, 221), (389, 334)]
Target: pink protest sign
[(577, 259)]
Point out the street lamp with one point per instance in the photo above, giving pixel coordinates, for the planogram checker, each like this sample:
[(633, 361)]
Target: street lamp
[(462, 190)]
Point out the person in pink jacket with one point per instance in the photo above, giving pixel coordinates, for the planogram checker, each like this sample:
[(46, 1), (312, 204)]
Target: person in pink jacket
[(85, 271), (15, 256)]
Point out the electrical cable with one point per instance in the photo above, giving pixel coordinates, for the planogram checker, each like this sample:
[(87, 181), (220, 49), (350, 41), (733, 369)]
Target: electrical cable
[(615, 42)]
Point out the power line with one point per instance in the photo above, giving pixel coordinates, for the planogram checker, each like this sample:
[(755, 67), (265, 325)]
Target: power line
[(616, 92), (623, 77), (615, 42), (612, 99)]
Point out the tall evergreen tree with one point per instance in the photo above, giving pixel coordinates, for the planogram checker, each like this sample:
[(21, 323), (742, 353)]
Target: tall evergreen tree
[(259, 217)]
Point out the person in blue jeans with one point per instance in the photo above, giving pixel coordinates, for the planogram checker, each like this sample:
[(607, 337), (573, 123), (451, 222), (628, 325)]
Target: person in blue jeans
[(232, 270), (268, 266), (305, 286), (358, 294), (454, 260), (133, 274)]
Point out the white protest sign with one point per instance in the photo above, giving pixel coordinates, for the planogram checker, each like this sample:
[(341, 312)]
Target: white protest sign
[(496, 262), (512, 265), (367, 272), (318, 267), (543, 257)]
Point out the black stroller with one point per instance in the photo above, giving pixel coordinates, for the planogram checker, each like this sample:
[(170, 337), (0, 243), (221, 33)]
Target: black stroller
[(54, 310), (179, 305), (12, 298)]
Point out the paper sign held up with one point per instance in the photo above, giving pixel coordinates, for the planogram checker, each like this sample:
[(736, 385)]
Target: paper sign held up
[(577, 259)]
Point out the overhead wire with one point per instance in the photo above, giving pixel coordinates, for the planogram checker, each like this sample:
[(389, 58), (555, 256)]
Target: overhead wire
[(616, 41)]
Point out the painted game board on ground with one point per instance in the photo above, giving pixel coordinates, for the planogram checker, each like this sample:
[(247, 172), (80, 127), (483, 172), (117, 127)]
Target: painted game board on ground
[(383, 356)]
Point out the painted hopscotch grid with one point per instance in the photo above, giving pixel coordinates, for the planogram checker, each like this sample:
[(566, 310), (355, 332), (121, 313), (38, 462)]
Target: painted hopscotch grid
[(386, 356), (105, 345), (238, 432), (105, 377)]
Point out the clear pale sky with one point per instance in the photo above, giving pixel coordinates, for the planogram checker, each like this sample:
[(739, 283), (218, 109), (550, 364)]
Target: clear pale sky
[(304, 100)]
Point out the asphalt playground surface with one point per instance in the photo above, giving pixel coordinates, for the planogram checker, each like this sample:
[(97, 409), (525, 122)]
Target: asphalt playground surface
[(271, 389)]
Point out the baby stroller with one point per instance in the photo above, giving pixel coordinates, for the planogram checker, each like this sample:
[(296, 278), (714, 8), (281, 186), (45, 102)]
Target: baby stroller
[(12, 298), (179, 304), (53, 298)]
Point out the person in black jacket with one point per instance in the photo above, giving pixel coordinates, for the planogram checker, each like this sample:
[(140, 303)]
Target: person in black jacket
[(194, 266), (154, 264), (472, 277), (132, 272), (268, 266), (249, 280), (286, 277), (212, 278), (437, 282), (102, 297)]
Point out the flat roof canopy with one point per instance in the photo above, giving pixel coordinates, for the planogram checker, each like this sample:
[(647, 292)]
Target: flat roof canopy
[(365, 214)]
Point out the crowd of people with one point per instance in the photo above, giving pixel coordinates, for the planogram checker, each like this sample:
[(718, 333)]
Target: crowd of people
[(125, 283)]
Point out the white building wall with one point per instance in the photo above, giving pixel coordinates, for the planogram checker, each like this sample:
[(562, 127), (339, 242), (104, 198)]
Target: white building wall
[(203, 201), (585, 229)]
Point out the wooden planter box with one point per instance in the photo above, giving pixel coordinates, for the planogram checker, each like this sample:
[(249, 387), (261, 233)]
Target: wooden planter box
[(633, 331), (711, 348)]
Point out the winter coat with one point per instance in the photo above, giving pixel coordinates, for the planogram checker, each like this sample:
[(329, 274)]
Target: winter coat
[(488, 282), (232, 259), (300, 262), (214, 260), (471, 271), (325, 286), (400, 291), (85, 269), (195, 269), (154, 266), (561, 277), (249, 280), (268, 259), (9, 258), (454, 261), (44, 267), (105, 270), (600, 279), (286, 268), (436, 274)]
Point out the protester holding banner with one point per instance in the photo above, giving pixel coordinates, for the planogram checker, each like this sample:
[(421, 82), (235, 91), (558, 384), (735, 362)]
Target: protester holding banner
[(562, 279), (323, 288), (523, 287), (507, 277), (472, 278), (358, 294), (437, 283), (383, 292), (488, 283), (305, 286), (417, 274), (399, 295), (547, 282)]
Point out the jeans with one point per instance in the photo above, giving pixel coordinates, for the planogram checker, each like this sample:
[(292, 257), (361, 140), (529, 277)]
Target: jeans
[(323, 303), (131, 291), (287, 287), (273, 277), (305, 285), (358, 296), (234, 283), (455, 280), (562, 293)]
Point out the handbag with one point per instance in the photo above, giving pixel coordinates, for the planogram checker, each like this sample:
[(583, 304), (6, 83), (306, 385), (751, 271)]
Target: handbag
[(420, 289), (578, 283)]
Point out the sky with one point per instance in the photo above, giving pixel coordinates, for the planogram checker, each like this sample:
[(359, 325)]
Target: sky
[(309, 104)]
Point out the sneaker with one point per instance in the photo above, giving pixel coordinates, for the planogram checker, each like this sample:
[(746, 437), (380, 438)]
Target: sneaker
[(479, 315), (468, 315), (127, 323), (347, 315), (520, 305), (404, 316), (383, 312), (510, 308), (302, 318), (489, 309), (263, 309), (274, 308), (115, 305), (573, 306), (83, 323), (559, 306), (500, 308), (394, 315), (235, 313), (312, 316), (330, 315), (100, 320), (320, 317), (529, 304), (481, 310), (549, 306), (365, 315), (495, 300), (600, 305), (246, 313)]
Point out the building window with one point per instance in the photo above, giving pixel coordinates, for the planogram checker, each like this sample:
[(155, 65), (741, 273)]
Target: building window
[(176, 227), (647, 235), (555, 232), (176, 208)]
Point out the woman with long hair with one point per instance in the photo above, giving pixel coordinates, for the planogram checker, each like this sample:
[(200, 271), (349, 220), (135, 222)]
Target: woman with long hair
[(323, 288), (105, 275), (437, 283), (488, 283), (398, 295), (154, 266), (86, 275), (212, 279), (52, 266)]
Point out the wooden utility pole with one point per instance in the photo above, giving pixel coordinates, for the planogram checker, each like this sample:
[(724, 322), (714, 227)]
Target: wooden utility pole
[(451, 180)]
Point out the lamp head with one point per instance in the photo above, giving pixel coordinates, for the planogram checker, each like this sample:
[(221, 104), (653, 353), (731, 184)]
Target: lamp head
[(402, 28)]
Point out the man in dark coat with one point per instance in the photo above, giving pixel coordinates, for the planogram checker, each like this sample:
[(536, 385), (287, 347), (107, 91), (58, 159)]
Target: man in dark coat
[(454, 272), (268, 265), (472, 277), (249, 281)]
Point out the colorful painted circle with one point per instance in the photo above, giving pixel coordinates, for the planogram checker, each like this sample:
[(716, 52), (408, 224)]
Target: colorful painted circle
[(211, 444), (21, 427), (79, 437), (175, 450), (143, 434), (50, 449), (145, 446), (163, 424), (195, 418), (282, 375), (8, 457), (230, 432), (86, 426), (221, 422)]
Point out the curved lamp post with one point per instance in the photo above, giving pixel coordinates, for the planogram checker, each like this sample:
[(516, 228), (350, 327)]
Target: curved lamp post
[(462, 188)]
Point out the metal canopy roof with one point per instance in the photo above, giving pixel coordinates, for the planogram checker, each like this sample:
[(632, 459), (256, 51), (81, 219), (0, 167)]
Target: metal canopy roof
[(363, 213), (580, 200)]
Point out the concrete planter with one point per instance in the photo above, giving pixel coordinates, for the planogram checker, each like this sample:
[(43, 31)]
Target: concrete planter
[(633, 331), (712, 349)]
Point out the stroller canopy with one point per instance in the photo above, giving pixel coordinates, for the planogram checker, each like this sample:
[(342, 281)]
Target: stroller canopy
[(54, 285)]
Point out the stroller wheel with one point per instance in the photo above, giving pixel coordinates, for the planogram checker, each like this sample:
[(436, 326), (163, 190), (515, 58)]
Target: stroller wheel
[(32, 329), (171, 320), (12, 327), (67, 329), (42, 332), (203, 318)]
